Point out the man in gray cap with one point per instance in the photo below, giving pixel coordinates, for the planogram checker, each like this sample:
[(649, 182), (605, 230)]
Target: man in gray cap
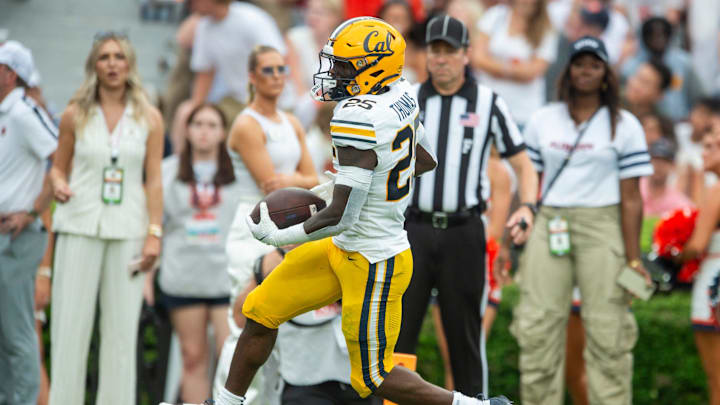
[(27, 141)]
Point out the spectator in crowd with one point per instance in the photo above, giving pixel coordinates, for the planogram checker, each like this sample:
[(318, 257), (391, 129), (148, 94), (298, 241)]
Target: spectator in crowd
[(304, 44), (515, 46), (27, 141), (469, 13), (659, 196), (691, 178), (646, 87), (180, 79), (598, 18), (268, 151), (399, 14), (501, 194), (223, 40), (705, 240), (656, 45), (200, 196), (444, 220), (592, 154), (656, 127), (107, 180), (415, 57), (639, 11), (307, 40), (703, 25), (43, 287), (34, 98)]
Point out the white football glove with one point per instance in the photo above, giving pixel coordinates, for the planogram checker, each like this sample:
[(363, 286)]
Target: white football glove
[(265, 230), (325, 190)]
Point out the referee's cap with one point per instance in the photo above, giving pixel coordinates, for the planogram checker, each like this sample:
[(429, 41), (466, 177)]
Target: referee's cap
[(591, 45), (448, 29)]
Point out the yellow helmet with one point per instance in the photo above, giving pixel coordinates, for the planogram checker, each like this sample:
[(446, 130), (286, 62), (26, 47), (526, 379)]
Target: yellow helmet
[(362, 56)]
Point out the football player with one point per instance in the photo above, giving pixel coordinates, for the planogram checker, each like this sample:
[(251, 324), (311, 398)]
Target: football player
[(355, 249)]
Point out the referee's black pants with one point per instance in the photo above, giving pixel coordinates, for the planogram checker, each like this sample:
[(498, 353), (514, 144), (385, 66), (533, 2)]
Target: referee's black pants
[(453, 261)]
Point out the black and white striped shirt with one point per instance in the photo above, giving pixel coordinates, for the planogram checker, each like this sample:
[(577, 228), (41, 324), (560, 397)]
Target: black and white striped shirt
[(460, 129)]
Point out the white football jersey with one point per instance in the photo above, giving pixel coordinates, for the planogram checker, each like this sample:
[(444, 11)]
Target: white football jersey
[(388, 124)]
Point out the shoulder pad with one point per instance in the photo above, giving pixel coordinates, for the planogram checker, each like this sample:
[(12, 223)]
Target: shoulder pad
[(351, 125)]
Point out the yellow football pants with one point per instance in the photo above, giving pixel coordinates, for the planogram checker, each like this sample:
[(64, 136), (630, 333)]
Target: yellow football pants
[(318, 273)]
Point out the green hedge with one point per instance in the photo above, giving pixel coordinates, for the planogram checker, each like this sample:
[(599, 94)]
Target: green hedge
[(667, 365)]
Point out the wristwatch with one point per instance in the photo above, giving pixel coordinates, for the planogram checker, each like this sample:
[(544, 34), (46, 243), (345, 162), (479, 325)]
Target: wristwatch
[(634, 264), (532, 206), (155, 230), (33, 213)]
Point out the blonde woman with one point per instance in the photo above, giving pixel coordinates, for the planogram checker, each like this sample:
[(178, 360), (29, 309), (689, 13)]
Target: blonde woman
[(268, 150), (108, 222), (514, 47)]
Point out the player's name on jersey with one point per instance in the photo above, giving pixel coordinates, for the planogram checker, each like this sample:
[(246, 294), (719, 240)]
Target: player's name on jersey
[(404, 106)]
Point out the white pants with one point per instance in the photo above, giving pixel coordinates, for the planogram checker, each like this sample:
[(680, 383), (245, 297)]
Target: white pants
[(90, 270)]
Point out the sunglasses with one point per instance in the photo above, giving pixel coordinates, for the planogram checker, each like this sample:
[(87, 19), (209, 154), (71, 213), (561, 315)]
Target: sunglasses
[(103, 35), (270, 70)]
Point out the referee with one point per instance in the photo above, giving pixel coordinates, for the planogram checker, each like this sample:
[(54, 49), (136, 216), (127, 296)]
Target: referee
[(445, 220)]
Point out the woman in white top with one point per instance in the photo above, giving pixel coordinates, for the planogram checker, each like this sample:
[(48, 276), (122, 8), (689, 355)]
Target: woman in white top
[(108, 222), (304, 43), (268, 150), (515, 45), (200, 195), (586, 232), (705, 239)]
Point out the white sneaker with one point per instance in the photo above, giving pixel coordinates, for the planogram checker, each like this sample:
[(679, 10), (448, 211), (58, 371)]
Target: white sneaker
[(207, 402)]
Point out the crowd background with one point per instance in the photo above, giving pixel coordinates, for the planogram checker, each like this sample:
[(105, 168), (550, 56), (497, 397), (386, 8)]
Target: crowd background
[(665, 51)]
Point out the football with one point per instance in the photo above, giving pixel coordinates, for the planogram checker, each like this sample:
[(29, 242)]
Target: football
[(289, 206)]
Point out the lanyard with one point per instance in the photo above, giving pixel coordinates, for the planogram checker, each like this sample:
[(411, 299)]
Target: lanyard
[(115, 141), (581, 131)]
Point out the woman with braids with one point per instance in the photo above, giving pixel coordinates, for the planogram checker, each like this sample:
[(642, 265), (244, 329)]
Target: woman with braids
[(107, 180), (592, 155)]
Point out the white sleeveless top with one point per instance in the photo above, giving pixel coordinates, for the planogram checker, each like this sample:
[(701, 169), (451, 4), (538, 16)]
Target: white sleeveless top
[(282, 145), (85, 213)]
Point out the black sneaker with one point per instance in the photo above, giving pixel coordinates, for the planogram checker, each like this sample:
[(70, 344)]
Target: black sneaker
[(501, 400)]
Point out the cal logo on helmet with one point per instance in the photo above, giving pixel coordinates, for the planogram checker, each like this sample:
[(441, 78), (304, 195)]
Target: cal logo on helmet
[(382, 46)]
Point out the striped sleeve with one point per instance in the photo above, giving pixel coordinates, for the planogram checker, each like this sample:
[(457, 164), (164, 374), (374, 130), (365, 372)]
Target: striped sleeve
[(532, 141), (633, 156), (352, 129), (508, 139)]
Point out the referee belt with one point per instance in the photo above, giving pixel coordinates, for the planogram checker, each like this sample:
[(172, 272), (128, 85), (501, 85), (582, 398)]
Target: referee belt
[(444, 220)]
